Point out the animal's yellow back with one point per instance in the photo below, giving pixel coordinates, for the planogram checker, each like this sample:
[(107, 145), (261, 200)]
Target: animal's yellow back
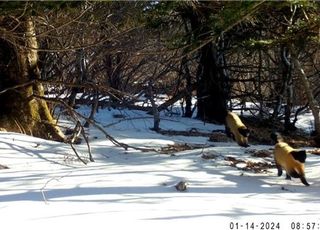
[(290, 159), (283, 157), (234, 123), (233, 118)]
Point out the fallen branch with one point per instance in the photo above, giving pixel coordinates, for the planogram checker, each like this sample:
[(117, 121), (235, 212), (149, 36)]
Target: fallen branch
[(75, 114), (191, 132), (75, 136)]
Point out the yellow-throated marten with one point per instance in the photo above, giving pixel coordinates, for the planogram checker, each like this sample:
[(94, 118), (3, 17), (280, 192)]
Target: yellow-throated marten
[(236, 129), (289, 159)]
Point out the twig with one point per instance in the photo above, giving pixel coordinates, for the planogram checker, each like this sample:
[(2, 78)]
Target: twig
[(87, 142), (77, 130), (76, 133), (18, 86), (76, 153), (93, 123), (46, 184)]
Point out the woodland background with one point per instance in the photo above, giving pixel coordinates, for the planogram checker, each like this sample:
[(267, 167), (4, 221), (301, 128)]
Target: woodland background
[(83, 72), (117, 54)]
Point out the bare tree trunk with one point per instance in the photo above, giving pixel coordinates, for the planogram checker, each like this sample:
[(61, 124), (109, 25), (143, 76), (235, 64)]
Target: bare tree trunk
[(82, 76), (212, 89), (94, 108), (212, 83), (188, 91), (187, 76), (155, 111), (259, 85), (308, 90), (288, 83)]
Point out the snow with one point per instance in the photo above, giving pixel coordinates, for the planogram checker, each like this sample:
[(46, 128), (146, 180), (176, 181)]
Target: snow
[(47, 187), (305, 122)]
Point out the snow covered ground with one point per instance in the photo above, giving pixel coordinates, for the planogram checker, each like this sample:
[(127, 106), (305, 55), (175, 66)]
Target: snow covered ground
[(46, 187)]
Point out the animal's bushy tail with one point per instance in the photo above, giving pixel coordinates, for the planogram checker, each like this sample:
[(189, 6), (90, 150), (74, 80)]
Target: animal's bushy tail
[(304, 181)]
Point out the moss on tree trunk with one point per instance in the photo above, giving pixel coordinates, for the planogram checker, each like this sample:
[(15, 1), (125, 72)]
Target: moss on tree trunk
[(21, 111)]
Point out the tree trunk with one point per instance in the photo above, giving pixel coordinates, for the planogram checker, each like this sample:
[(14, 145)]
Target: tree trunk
[(287, 76), (94, 108), (113, 64), (212, 101), (285, 90), (21, 111), (187, 76), (155, 111), (188, 90), (312, 101), (212, 85), (80, 78)]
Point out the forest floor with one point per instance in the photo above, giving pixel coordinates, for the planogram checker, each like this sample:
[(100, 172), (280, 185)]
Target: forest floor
[(260, 133)]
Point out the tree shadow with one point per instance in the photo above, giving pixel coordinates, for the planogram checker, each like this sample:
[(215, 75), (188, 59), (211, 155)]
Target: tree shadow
[(95, 182)]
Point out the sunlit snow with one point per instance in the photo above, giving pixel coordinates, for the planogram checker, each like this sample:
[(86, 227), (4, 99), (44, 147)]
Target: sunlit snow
[(46, 187)]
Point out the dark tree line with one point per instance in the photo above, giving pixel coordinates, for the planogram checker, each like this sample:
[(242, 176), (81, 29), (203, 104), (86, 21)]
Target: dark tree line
[(226, 54)]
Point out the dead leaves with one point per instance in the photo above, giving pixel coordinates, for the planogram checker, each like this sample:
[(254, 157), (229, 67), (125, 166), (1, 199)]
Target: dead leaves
[(219, 137), (259, 153), (209, 155), (314, 151), (256, 167), (170, 149)]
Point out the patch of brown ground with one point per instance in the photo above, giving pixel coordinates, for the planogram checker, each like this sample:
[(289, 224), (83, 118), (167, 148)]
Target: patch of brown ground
[(256, 167), (170, 149), (260, 134)]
